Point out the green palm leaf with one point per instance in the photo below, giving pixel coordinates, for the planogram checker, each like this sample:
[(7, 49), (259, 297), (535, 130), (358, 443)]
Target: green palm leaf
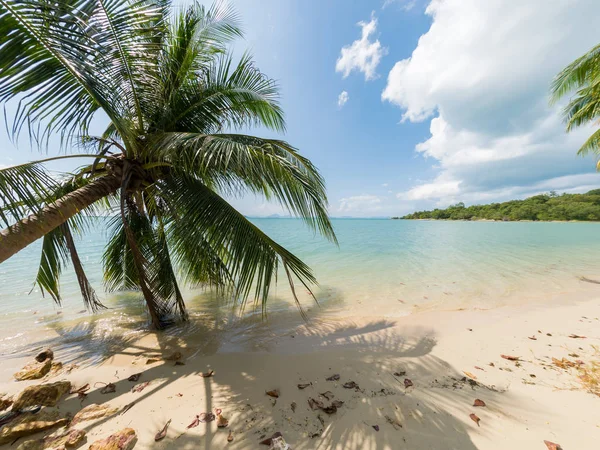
[(583, 77), (23, 190), (252, 258)]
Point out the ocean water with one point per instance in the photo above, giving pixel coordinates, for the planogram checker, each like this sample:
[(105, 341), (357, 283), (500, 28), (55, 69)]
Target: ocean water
[(381, 268)]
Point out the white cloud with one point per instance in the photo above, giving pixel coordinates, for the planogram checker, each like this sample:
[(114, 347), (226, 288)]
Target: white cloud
[(343, 98), (481, 75), (363, 54), (406, 5), (360, 204), (385, 184)]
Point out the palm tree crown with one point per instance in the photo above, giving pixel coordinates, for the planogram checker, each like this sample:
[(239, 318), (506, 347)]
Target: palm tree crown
[(583, 77), (176, 101)]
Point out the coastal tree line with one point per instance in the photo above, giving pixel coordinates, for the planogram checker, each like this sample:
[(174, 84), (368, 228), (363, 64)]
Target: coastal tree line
[(543, 207)]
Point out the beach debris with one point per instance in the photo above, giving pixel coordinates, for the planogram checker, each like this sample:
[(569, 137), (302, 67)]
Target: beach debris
[(207, 417), (334, 377), (179, 394), (532, 375), (279, 443), (222, 422), (194, 423), (589, 280), (68, 439), (400, 373), (34, 370), (108, 388), (549, 334), (315, 404), (491, 364), (304, 385), (375, 427), (478, 402), (122, 440), (140, 387), (5, 401), (470, 329), (328, 395), (350, 385), (393, 422), (82, 390), (179, 363), (30, 423), (475, 419), (533, 338), (274, 393), (293, 406), (127, 407), (230, 436), (207, 374), (42, 395), (470, 375), (162, 433), (44, 355), (479, 368), (407, 383), (269, 441), (332, 409), (134, 377), (552, 445), (576, 336), (94, 411), (510, 357), (564, 363)]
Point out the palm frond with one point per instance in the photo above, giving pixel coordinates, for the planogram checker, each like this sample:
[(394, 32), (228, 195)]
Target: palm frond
[(53, 259), (93, 52), (193, 39), (57, 248), (267, 167), (225, 95), (577, 74), (591, 145), (251, 257), (23, 189)]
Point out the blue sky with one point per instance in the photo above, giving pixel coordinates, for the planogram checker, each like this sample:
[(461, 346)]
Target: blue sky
[(446, 100)]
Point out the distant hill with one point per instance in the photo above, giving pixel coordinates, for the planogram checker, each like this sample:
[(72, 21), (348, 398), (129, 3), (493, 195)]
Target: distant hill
[(545, 207)]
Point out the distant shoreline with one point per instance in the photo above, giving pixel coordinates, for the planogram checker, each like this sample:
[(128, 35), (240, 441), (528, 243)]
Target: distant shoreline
[(497, 221)]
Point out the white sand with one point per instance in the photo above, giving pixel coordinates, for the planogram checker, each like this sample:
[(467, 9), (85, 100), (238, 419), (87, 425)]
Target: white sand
[(433, 348)]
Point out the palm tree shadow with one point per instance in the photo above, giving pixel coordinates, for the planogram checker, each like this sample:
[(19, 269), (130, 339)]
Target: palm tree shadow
[(251, 356)]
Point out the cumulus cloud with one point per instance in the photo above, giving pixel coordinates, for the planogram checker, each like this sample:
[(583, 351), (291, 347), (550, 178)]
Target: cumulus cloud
[(481, 75), (360, 204), (343, 98), (364, 54)]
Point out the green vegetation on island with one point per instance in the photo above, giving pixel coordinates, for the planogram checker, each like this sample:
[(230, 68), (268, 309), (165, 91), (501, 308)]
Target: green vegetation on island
[(544, 207)]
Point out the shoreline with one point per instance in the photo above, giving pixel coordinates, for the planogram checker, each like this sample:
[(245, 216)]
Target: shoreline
[(436, 350)]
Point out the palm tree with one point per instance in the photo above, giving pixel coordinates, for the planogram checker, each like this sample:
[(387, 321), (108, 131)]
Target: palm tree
[(583, 77), (171, 153)]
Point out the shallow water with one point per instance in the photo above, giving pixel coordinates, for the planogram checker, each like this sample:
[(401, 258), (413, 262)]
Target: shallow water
[(382, 268)]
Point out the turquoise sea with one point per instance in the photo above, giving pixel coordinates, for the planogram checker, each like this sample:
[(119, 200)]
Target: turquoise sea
[(383, 268)]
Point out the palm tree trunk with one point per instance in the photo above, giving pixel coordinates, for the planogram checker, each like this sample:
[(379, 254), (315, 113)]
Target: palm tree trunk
[(18, 236)]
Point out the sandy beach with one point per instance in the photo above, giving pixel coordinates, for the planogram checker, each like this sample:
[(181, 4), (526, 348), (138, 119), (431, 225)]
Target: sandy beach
[(451, 358)]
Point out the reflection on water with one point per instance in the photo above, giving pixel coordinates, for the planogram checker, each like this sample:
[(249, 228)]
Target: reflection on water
[(382, 268)]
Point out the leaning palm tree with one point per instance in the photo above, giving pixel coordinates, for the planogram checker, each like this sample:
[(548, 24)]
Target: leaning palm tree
[(170, 155), (583, 78)]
